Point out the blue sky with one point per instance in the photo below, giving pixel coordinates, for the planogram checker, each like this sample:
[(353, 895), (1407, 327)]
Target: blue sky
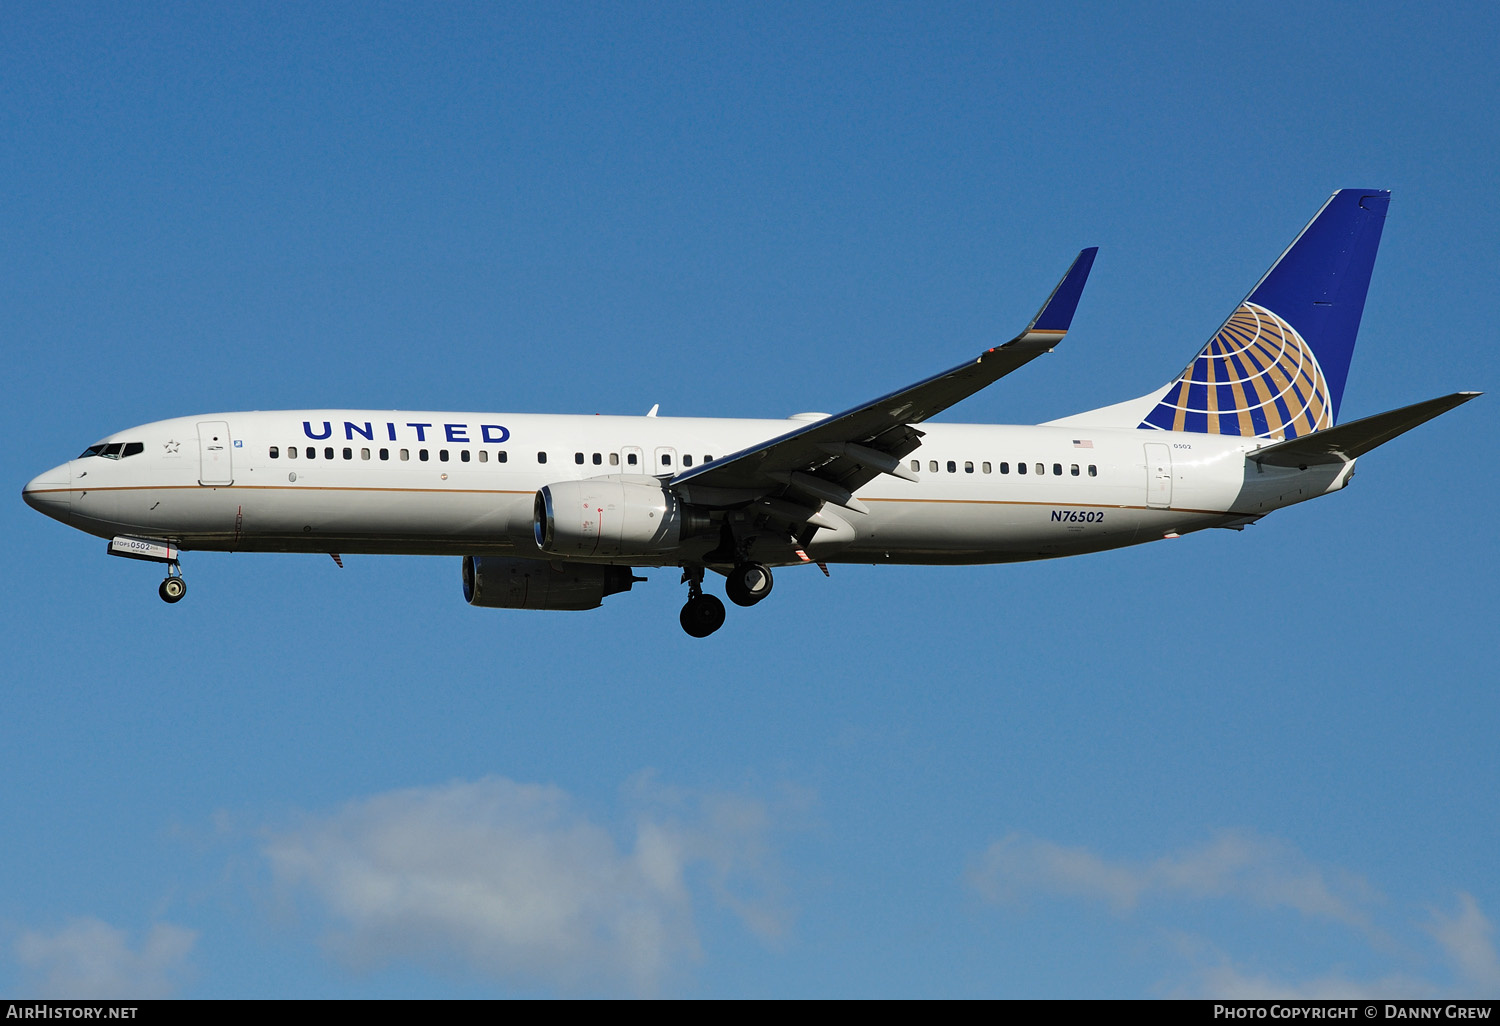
[(1232, 764)]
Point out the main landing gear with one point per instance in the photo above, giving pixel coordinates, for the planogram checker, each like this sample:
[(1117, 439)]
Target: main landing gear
[(745, 585), (174, 587), (748, 583), (703, 614)]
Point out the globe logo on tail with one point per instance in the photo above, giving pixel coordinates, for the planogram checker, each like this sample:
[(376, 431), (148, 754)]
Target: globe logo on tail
[(1256, 377)]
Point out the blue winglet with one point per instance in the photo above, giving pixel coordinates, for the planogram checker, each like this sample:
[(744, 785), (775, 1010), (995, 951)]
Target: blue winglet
[(1057, 313)]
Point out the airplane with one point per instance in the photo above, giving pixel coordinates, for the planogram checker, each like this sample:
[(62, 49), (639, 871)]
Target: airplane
[(557, 511)]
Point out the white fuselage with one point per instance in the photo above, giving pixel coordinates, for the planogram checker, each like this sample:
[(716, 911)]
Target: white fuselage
[(464, 484)]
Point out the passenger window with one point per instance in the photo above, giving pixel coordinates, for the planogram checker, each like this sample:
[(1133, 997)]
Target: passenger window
[(501, 457), (422, 455), (916, 464), (328, 452), (614, 459), (985, 466), (364, 454), (1075, 470), (968, 466), (687, 461), (1020, 468), (1041, 468), (708, 459), (666, 459), (1057, 469), (578, 458), (541, 457), (1093, 470), (484, 456), (385, 454), (463, 455), (405, 455), (598, 459), (443, 455), (291, 452), (274, 452), (311, 453), (932, 466), (630, 459), (348, 453)]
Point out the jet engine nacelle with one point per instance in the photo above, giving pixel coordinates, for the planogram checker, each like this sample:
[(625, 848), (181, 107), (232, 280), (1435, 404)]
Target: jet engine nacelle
[(606, 517), (501, 582)]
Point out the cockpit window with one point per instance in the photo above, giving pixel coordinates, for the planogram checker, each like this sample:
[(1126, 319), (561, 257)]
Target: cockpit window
[(113, 450)]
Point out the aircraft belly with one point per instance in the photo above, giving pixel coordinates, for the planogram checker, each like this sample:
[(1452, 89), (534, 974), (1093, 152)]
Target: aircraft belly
[(350, 519), (1267, 488), (968, 531)]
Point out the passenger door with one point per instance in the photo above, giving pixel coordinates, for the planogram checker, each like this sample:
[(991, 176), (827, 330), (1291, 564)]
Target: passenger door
[(215, 454)]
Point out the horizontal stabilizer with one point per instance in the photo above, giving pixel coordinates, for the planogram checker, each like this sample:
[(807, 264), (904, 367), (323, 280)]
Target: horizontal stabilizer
[(1349, 441)]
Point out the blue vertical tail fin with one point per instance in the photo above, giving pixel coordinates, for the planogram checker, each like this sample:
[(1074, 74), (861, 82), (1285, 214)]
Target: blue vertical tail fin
[(1277, 367)]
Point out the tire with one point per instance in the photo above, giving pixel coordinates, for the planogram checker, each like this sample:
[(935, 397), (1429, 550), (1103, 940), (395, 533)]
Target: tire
[(172, 589), (702, 616), (748, 583)]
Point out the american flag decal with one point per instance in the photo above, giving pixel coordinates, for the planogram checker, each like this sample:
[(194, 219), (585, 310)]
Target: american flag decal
[(1083, 443)]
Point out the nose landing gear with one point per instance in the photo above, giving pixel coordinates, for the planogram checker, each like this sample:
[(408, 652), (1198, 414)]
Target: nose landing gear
[(174, 587), (154, 550)]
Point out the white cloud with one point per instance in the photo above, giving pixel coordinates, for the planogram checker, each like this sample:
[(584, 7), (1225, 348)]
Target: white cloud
[(88, 958), (1466, 939), (1232, 984), (1265, 871), (512, 881)]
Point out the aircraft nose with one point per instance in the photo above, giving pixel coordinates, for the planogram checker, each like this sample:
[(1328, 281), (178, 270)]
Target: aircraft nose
[(49, 493)]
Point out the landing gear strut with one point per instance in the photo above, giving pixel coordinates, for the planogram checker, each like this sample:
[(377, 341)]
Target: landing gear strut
[(703, 614), (174, 587), (748, 583)]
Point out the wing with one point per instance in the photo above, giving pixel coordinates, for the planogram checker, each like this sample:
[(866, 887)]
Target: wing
[(1350, 441), (829, 460)]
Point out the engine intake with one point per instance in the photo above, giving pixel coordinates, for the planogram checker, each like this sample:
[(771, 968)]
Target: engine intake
[(606, 518), (501, 582)]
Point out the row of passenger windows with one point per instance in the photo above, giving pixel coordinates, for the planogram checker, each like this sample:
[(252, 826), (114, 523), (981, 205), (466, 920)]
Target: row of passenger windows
[(114, 450), (292, 452), (330, 453), (631, 459), (1073, 470)]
